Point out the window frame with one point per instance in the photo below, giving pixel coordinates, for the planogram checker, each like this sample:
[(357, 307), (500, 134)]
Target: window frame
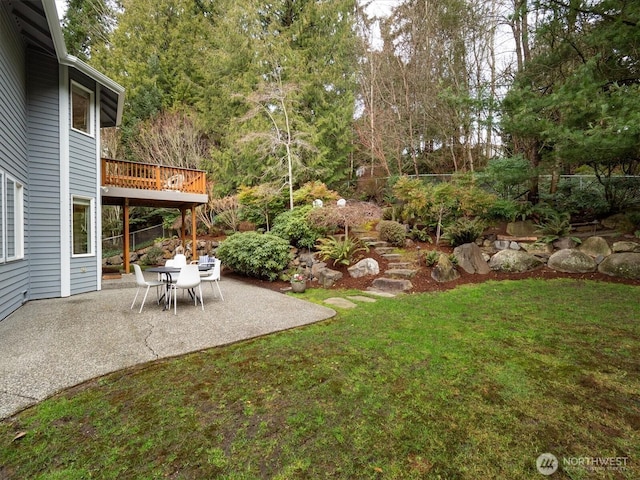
[(88, 203), (81, 89), (6, 227)]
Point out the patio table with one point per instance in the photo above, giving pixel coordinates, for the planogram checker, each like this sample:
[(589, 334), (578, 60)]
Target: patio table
[(167, 272)]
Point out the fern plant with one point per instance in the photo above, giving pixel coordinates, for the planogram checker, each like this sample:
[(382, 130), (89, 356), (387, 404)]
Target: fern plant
[(340, 250)]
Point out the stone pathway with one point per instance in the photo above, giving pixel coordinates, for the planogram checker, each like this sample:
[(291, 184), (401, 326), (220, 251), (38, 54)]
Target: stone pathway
[(348, 302), (397, 278)]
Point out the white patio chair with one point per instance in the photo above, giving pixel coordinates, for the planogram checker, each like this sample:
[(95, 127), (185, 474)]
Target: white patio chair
[(188, 279), (141, 282), (179, 260), (214, 277)]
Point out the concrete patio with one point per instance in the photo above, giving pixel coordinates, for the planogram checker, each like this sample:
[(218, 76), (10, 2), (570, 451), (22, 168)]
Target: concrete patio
[(50, 345)]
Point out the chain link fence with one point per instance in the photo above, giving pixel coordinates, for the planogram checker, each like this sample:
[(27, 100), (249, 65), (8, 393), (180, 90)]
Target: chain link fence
[(138, 239)]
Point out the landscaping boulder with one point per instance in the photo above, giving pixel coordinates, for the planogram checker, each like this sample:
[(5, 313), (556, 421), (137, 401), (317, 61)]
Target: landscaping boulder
[(625, 265), (595, 247), (564, 243), (470, 259), (572, 261), (626, 246), (619, 222), (540, 249), (366, 266), (514, 261), (444, 271), (328, 277)]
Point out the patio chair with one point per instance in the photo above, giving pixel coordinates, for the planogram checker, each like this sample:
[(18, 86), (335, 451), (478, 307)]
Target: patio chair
[(188, 279), (179, 260), (141, 282), (214, 277)]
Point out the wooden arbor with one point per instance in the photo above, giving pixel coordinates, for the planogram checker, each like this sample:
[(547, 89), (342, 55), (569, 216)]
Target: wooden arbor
[(131, 184)]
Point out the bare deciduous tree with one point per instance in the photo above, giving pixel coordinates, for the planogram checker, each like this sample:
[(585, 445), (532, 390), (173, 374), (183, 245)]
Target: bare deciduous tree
[(171, 138)]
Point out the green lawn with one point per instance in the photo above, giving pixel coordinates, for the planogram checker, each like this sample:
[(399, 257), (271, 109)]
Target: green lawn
[(473, 383)]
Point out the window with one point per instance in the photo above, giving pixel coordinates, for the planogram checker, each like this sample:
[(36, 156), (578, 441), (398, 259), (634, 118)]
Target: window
[(81, 109), (12, 222), (82, 226)]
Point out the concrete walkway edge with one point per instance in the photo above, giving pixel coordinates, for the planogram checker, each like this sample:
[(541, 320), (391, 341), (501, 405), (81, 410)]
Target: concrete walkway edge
[(50, 345)]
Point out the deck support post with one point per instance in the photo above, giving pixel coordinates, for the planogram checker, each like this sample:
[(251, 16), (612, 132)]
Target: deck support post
[(194, 247), (125, 236)]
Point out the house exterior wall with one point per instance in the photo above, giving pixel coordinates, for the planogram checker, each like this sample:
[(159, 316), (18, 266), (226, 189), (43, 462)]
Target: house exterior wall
[(43, 206), (83, 175), (14, 275)]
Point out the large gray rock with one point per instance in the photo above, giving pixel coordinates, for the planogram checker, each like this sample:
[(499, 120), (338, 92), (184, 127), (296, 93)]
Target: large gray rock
[(564, 243), (572, 261), (625, 265), (366, 266), (626, 246), (444, 271), (595, 247), (328, 277), (514, 261), (470, 259)]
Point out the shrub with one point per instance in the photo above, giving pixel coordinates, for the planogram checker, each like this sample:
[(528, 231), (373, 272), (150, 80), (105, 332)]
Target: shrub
[(502, 209), (254, 254), (464, 230), (555, 226), (431, 258), (392, 232), (340, 251), (293, 226), (420, 235)]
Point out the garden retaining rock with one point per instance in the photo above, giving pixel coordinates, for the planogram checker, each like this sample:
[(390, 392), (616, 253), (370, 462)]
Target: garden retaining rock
[(625, 265), (572, 261), (366, 266), (470, 259), (514, 261), (626, 246), (444, 271), (595, 247)]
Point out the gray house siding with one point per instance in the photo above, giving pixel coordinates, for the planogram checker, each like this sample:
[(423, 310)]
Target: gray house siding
[(83, 174), (13, 151), (43, 249)]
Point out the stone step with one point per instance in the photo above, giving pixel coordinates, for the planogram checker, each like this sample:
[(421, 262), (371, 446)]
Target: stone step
[(393, 285), (392, 257), (377, 243), (368, 240), (401, 273), (393, 265), (384, 250)]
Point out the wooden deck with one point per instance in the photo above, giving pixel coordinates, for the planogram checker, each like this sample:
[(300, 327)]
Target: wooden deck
[(145, 176)]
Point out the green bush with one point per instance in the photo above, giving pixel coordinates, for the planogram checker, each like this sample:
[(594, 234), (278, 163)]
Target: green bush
[(340, 250), (463, 230), (392, 232), (555, 226), (254, 254), (431, 258), (502, 209), (420, 235), (294, 227)]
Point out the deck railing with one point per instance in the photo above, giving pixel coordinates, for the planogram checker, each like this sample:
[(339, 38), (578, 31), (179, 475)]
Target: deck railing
[(145, 176)]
